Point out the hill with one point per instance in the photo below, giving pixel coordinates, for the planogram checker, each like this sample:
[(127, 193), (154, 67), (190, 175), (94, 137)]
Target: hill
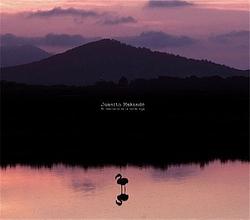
[(17, 55), (109, 60)]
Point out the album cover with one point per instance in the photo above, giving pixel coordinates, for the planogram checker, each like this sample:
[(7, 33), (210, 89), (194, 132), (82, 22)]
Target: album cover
[(135, 109)]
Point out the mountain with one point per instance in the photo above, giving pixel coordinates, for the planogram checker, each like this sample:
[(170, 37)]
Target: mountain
[(17, 55), (109, 60)]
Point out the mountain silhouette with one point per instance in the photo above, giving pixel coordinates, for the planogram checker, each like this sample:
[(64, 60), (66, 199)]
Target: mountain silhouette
[(17, 55), (110, 60)]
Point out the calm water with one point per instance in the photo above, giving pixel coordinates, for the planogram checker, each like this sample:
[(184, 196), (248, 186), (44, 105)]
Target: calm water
[(216, 191)]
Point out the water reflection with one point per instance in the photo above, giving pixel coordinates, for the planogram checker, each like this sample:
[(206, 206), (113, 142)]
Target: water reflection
[(216, 191), (174, 173), (83, 185), (123, 196)]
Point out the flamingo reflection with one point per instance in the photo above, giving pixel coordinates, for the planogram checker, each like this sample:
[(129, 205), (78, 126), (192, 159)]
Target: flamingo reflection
[(121, 181), (121, 198)]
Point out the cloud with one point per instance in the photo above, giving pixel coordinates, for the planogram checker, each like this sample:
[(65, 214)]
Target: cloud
[(168, 4), (119, 20), (232, 37), (105, 18), (63, 40), (51, 39), (58, 11), (11, 39), (158, 40), (151, 39)]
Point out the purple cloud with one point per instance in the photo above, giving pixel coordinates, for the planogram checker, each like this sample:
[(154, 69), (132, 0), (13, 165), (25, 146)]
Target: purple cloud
[(58, 11), (168, 3), (158, 40), (119, 20), (103, 18)]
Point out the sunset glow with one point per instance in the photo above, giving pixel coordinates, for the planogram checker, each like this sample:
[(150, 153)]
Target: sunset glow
[(199, 20), (24, 5)]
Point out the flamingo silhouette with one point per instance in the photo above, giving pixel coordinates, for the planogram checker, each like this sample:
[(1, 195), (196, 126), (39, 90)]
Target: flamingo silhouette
[(121, 181), (122, 197)]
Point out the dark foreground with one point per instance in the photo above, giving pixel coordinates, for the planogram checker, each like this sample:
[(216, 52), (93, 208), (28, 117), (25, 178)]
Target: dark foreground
[(191, 120)]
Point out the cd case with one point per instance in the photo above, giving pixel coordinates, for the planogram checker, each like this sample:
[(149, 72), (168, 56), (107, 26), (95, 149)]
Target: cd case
[(125, 109)]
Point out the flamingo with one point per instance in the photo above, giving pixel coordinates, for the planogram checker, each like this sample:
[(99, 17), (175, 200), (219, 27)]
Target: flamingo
[(121, 181)]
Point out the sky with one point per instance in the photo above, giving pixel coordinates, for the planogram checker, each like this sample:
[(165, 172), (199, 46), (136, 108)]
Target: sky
[(211, 24), (22, 5)]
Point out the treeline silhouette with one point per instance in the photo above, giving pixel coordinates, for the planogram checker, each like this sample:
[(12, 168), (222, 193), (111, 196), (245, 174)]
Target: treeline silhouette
[(185, 120)]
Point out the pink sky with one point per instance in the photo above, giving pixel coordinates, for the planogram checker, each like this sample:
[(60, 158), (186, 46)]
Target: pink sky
[(202, 18), (22, 5), (199, 19)]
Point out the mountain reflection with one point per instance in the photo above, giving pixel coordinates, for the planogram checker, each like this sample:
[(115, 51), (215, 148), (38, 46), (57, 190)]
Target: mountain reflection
[(175, 173), (83, 185)]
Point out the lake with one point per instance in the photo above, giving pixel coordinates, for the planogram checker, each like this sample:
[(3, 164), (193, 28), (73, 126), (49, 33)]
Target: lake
[(216, 190)]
